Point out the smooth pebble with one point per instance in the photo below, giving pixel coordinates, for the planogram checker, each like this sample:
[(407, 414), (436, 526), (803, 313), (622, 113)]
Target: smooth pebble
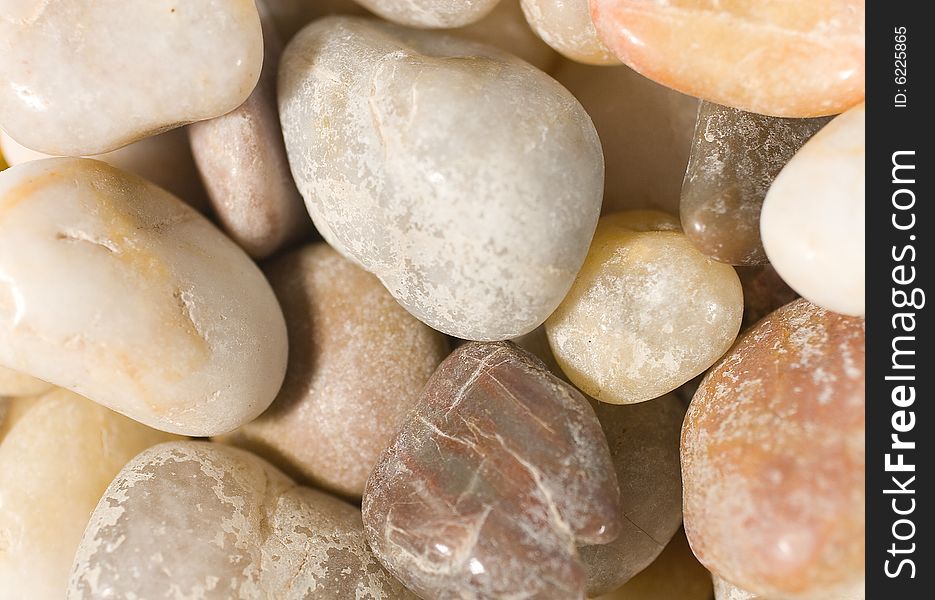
[(566, 26)]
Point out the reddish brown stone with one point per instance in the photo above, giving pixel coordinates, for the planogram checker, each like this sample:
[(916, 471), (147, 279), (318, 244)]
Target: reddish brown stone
[(501, 470), (773, 457)]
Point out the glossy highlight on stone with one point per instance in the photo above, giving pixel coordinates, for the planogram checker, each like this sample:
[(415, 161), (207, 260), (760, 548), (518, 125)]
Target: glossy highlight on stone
[(644, 447), (812, 221), (798, 58), (477, 226), (647, 312), (357, 363), (499, 472), (133, 69), (55, 462), (217, 523), (735, 157), (773, 445), (166, 321)]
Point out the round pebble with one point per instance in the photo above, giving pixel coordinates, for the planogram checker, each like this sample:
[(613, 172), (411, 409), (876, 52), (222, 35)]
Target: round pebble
[(773, 446), (130, 71), (468, 181), (166, 320), (647, 312), (566, 26), (798, 58)]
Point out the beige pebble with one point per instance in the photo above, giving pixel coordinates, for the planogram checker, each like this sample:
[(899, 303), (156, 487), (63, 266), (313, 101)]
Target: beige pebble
[(432, 14), (166, 320), (16, 384), (213, 522), (505, 27), (645, 129), (243, 164), (358, 361), (12, 410), (566, 26), (164, 159), (468, 181), (647, 313), (55, 462), (132, 70)]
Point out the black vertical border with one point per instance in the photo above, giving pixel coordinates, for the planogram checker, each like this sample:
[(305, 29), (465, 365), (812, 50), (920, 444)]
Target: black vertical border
[(890, 129)]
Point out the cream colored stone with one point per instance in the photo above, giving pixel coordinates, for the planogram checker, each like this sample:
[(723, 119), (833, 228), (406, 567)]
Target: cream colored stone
[(505, 27), (433, 14), (54, 465), (12, 410), (566, 26), (165, 159), (647, 313), (357, 364), (812, 223), (468, 181), (115, 289), (645, 129), (242, 159), (89, 77), (14, 383), (207, 521)]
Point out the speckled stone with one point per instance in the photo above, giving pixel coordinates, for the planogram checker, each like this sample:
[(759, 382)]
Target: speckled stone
[(357, 363), (217, 523), (763, 292), (434, 14), (735, 157), (773, 445), (795, 58), (242, 160), (500, 471), (812, 223), (164, 159), (675, 575), (644, 446), (55, 462), (566, 26), (647, 312), (645, 129), (130, 71), (477, 226), (166, 320), (505, 27)]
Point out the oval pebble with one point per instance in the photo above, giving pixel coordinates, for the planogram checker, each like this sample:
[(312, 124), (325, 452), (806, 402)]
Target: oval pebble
[(468, 181), (773, 445), (566, 26), (357, 363), (647, 312), (55, 462), (812, 222), (166, 320), (217, 523), (797, 58), (153, 66), (242, 160)]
